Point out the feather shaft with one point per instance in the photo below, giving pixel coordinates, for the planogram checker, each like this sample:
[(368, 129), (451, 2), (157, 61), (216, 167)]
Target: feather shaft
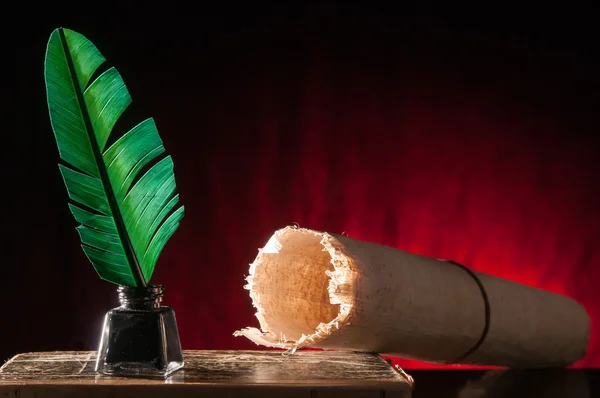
[(114, 207)]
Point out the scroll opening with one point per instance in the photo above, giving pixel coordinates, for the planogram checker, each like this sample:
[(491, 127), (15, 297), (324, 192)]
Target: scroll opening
[(300, 284)]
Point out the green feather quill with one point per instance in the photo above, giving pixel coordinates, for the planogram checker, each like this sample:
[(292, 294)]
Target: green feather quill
[(126, 218)]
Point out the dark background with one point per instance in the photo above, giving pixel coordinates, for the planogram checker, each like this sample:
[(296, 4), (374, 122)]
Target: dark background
[(465, 134)]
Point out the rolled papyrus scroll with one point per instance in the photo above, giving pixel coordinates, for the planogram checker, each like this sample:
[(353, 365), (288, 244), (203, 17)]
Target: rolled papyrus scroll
[(314, 289)]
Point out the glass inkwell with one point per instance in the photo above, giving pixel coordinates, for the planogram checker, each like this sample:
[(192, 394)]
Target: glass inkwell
[(140, 337)]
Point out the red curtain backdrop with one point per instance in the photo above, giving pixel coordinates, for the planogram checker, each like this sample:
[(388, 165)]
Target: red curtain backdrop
[(452, 145)]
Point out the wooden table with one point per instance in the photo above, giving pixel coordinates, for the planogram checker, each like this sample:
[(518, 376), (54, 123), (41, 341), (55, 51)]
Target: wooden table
[(210, 374)]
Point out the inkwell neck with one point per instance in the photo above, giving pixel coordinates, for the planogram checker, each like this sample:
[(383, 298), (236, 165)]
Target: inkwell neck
[(140, 298)]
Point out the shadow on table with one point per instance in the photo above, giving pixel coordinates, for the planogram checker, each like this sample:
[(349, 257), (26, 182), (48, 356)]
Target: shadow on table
[(513, 383), (547, 383)]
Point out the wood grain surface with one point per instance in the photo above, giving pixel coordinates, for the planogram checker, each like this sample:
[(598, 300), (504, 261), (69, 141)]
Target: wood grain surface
[(210, 373)]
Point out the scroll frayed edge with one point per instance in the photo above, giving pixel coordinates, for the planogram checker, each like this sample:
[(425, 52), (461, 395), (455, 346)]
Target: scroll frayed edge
[(340, 290)]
